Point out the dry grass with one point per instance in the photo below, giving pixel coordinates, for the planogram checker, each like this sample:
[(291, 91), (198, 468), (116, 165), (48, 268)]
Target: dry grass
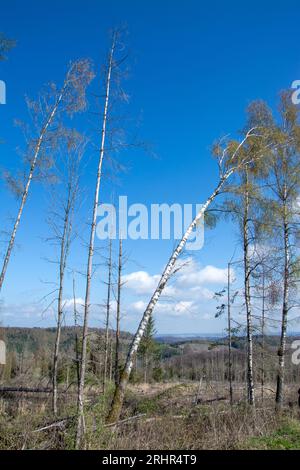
[(171, 419)]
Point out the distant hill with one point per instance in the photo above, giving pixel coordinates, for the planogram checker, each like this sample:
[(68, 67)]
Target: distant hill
[(176, 338), (31, 340)]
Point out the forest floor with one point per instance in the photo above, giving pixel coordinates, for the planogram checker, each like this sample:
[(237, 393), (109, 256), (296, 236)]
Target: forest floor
[(160, 416), (199, 416)]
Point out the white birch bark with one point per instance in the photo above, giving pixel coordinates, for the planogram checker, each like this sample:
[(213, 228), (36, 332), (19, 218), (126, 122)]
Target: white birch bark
[(247, 275), (80, 423)]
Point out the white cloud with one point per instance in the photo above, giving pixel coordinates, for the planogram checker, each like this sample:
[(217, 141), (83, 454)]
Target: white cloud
[(186, 298), (185, 295), (192, 275), (172, 309), (24, 310), (183, 306), (141, 282), (138, 306), (69, 303)]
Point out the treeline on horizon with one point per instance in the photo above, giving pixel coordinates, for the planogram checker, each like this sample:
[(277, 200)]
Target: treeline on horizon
[(29, 358)]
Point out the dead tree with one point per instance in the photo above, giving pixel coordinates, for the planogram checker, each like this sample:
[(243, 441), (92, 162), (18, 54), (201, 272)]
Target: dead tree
[(268, 291), (231, 159), (118, 315), (47, 111), (112, 72), (107, 319), (77, 354), (229, 334), (62, 225), (220, 311)]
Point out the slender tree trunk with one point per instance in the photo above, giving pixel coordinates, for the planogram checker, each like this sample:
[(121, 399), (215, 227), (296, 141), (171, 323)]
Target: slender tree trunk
[(80, 424), (285, 309), (24, 197), (229, 337), (77, 355), (117, 358), (117, 402), (247, 276), (57, 343), (263, 340), (107, 316), (110, 359), (146, 368), (67, 377), (64, 250)]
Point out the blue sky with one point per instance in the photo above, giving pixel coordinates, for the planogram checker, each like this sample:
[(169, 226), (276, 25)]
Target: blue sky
[(195, 66)]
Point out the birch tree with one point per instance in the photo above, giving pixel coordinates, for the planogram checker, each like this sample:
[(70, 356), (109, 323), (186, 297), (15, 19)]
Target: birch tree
[(286, 170), (239, 205), (46, 113), (282, 208), (247, 280), (112, 73), (231, 158), (243, 206)]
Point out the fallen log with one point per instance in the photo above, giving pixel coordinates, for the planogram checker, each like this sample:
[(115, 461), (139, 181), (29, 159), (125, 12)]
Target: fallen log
[(159, 418), (211, 400), (24, 390), (126, 420), (58, 424)]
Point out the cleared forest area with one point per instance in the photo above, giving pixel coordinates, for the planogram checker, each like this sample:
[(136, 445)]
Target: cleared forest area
[(184, 403)]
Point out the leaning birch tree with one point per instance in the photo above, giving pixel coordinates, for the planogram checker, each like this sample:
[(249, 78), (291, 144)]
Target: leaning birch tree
[(232, 157), (46, 113)]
